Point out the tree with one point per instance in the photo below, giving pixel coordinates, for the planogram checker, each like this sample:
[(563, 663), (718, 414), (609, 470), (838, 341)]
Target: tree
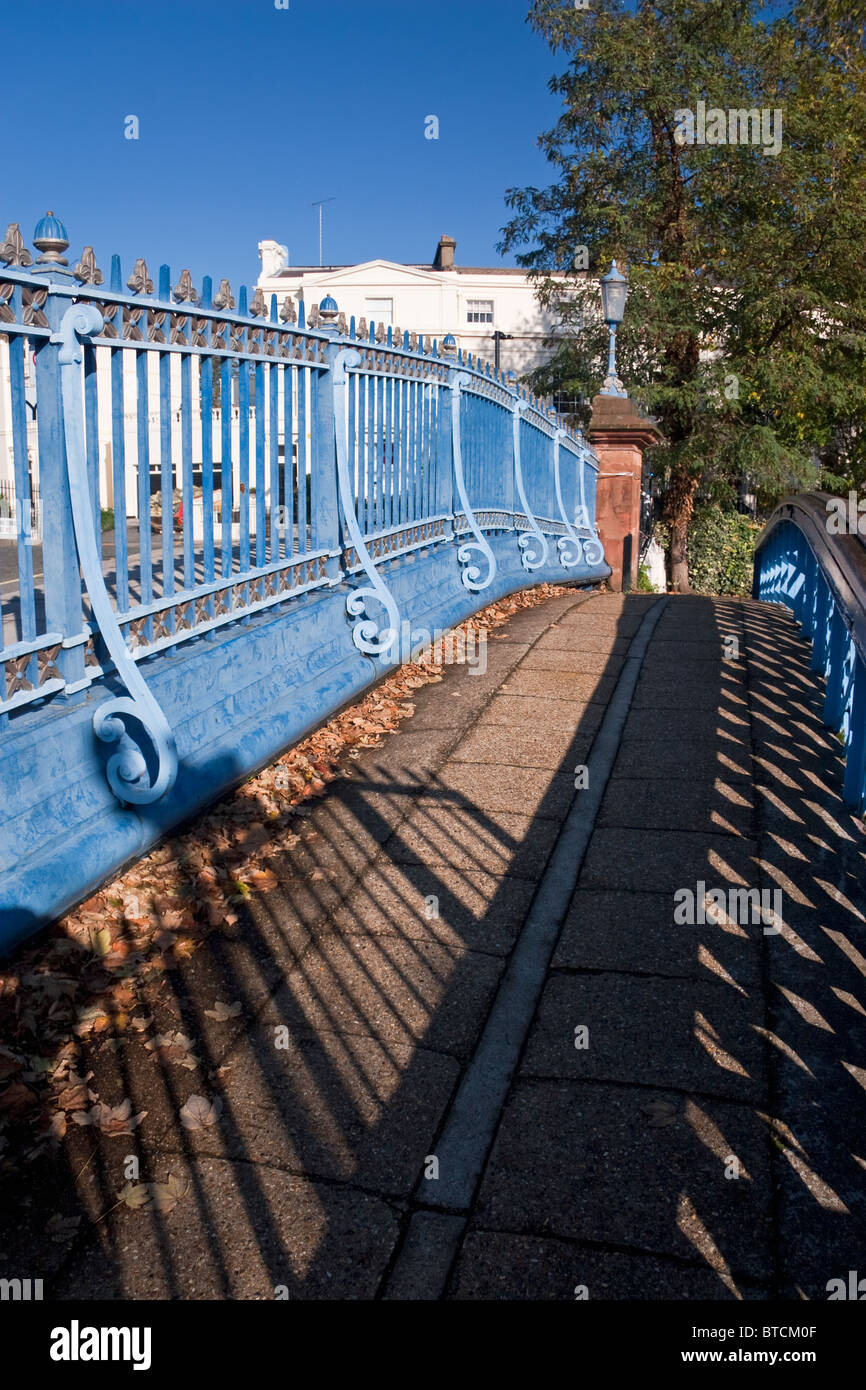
[(745, 328)]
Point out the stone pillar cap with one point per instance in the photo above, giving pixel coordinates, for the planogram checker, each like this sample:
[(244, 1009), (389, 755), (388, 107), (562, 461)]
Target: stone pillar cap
[(617, 415)]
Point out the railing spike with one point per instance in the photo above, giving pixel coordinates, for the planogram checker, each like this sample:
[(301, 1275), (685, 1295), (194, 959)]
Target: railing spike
[(224, 299), (12, 250), (184, 291), (87, 272), (115, 281), (139, 281)]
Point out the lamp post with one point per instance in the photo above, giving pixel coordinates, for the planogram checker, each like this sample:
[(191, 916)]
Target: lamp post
[(614, 288), (498, 337)]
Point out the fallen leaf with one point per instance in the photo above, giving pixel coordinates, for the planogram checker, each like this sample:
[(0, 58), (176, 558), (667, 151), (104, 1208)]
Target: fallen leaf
[(263, 880), (173, 1047), (113, 1120), (164, 1196), (135, 1195), (221, 1012), (199, 1113), (75, 1097)]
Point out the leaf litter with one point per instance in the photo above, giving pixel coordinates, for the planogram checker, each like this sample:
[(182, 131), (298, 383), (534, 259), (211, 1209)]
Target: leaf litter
[(87, 983)]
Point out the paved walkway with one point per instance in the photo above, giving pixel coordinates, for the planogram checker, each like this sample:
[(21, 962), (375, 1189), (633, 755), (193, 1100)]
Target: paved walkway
[(476, 1056)]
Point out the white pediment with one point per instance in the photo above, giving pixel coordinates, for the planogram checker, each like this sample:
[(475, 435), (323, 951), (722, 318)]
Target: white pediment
[(377, 272)]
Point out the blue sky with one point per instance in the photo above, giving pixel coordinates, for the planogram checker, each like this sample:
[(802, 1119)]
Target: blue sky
[(248, 113)]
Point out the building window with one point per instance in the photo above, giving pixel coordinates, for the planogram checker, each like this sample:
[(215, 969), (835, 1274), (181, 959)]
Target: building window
[(479, 311), (380, 310)]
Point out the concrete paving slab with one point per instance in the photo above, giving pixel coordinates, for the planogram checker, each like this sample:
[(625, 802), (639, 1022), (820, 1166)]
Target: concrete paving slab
[(711, 806), (699, 1035), (560, 685), (577, 660), (559, 638), (530, 711), (592, 1163), (240, 1231), (635, 932), (515, 790), (436, 902), (391, 988), (663, 861), (495, 1265), (471, 839), (547, 749), (335, 1106)]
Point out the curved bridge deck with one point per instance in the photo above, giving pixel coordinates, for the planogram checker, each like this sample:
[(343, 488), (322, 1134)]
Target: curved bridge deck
[(493, 1042)]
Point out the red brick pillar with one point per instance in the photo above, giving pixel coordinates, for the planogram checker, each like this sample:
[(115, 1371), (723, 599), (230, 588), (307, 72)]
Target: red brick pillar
[(619, 435)]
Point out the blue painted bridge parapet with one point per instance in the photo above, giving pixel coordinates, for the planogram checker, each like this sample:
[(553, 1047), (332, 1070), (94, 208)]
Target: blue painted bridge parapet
[(811, 558), (296, 507)]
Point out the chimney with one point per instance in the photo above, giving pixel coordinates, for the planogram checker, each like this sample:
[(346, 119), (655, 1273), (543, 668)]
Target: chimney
[(444, 259)]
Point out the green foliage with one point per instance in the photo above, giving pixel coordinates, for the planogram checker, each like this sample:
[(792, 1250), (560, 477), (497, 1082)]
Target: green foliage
[(106, 518), (721, 550), (745, 327), (644, 583)]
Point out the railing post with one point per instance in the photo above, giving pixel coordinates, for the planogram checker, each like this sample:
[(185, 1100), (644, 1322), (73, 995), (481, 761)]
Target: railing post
[(810, 589), (62, 580), (855, 761), (834, 700), (325, 487), (823, 610)]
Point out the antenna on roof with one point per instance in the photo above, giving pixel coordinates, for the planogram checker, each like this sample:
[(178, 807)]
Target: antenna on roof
[(319, 206)]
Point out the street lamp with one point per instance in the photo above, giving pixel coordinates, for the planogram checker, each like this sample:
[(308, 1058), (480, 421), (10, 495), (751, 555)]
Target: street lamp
[(498, 337), (614, 288)]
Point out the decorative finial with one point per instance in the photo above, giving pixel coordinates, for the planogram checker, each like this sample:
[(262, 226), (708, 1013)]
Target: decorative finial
[(224, 299), (288, 313), (184, 290), (50, 238), (12, 251), (87, 272), (139, 281), (258, 308), (328, 312)]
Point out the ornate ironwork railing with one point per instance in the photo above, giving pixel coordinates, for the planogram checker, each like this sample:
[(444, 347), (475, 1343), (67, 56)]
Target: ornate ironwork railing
[(200, 463), (811, 558)]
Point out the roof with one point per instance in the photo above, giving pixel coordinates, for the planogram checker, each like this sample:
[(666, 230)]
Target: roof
[(294, 270)]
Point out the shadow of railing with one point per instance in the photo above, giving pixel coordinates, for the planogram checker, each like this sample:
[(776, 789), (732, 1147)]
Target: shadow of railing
[(364, 987)]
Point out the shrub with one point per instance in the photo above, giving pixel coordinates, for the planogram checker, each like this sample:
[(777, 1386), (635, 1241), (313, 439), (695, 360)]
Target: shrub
[(721, 550)]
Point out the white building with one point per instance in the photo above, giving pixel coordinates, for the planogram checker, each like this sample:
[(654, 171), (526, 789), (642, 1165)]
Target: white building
[(470, 302)]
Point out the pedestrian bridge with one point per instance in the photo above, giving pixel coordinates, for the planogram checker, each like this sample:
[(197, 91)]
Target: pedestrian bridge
[(557, 993)]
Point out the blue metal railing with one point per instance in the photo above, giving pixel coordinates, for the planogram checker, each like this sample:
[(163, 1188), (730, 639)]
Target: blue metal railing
[(804, 562), (247, 458)]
